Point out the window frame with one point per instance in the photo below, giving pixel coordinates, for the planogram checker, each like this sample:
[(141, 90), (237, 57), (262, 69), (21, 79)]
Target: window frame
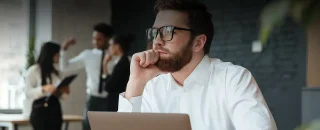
[(10, 111)]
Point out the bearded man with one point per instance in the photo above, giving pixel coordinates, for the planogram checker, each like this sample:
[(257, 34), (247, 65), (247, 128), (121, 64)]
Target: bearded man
[(177, 76)]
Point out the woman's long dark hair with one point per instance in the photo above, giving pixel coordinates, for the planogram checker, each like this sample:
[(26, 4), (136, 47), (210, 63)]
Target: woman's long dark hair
[(45, 61), (124, 41)]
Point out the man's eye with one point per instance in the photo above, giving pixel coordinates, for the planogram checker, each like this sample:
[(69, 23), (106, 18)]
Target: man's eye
[(167, 31)]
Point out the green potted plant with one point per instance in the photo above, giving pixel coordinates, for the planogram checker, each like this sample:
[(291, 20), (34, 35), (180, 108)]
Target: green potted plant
[(31, 53), (30, 61)]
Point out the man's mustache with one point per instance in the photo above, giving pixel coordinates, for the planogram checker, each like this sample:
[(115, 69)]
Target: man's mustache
[(161, 50)]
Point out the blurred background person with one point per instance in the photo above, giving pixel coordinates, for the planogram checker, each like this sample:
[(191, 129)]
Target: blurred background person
[(116, 82), (91, 61), (46, 113)]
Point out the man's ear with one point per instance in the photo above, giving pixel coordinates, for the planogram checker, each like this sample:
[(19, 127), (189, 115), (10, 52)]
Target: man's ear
[(199, 42)]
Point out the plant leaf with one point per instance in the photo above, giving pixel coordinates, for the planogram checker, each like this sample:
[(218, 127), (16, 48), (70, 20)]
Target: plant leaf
[(314, 125), (264, 34), (273, 14), (30, 53)]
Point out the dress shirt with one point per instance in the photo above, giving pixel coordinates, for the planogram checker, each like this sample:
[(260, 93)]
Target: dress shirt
[(216, 95), (91, 61)]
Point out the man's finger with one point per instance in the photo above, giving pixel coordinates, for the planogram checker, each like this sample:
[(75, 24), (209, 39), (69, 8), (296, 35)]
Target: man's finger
[(149, 56), (142, 58), (155, 57)]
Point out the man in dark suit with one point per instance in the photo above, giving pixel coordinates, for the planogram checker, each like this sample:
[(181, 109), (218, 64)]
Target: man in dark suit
[(116, 82)]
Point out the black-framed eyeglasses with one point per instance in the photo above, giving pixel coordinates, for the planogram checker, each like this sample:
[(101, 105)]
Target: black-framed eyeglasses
[(166, 32)]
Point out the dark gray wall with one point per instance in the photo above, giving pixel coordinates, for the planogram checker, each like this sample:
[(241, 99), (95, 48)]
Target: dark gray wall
[(280, 69), (129, 16)]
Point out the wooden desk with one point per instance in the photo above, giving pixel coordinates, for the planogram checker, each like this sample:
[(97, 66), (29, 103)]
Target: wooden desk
[(13, 121)]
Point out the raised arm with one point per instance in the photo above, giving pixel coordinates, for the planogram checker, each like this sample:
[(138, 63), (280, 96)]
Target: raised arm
[(73, 64)]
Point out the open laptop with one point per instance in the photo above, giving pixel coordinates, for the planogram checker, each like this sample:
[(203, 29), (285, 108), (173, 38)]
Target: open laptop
[(138, 121)]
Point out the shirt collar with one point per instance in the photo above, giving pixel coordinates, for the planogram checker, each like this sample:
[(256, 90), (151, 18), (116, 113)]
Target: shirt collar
[(200, 73)]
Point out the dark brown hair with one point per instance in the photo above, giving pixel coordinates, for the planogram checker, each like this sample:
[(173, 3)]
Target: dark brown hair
[(104, 28), (45, 61), (199, 19)]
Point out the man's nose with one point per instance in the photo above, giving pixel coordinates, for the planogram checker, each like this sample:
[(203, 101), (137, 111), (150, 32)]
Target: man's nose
[(158, 41)]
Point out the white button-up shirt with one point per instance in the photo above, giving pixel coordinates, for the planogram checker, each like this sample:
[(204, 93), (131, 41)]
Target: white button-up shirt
[(216, 95), (33, 80), (91, 61)]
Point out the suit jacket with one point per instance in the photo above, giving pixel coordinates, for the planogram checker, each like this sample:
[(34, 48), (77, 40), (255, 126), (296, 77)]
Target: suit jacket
[(116, 82)]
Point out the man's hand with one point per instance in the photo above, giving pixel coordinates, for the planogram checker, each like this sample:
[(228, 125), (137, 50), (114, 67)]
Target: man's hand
[(142, 69), (106, 60), (68, 43)]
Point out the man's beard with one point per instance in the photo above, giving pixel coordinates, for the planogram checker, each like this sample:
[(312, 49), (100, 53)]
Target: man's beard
[(177, 61)]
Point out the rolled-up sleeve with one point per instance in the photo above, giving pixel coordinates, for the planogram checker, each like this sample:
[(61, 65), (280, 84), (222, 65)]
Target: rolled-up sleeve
[(141, 103), (132, 105)]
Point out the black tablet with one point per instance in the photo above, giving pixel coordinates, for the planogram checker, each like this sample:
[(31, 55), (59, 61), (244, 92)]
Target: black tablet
[(67, 81)]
